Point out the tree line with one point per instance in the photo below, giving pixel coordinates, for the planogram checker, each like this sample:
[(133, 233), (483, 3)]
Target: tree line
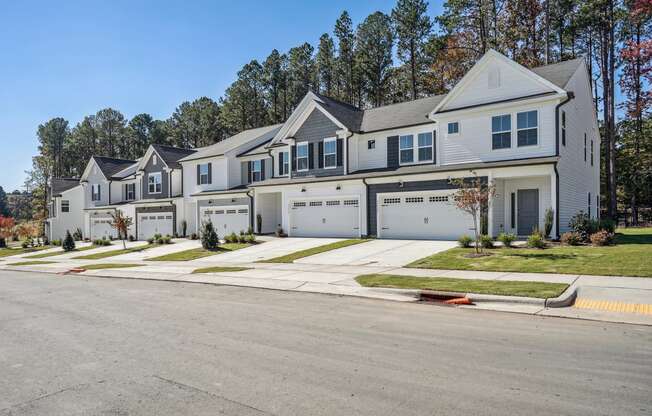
[(402, 55)]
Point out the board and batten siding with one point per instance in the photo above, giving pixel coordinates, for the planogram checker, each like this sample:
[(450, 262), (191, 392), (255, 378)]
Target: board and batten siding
[(314, 130), (150, 167), (96, 177)]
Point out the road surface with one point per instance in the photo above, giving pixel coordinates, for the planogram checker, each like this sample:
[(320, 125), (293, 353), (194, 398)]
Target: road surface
[(92, 346)]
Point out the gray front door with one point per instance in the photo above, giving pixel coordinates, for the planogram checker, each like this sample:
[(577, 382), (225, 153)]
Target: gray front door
[(528, 210)]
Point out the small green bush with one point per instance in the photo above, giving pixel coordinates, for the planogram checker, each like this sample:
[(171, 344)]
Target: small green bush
[(507, 239), (166, 240), (101, 242), (68, 242), (157, 236), (77, 235), (209, 238), (131, 237), (536, 240), (242, 238), (486, 241), (464, 241), (194, 236), (280, 233), (601, 238), (150, 240), (571, 239), (231, 238), (250, 238), (608, 225), (548, 218), (56, 242)]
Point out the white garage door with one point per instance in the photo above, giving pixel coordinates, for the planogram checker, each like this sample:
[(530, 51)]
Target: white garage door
[(101, 228), (328, 217), (154, 223), (227, 219), (421, 215)]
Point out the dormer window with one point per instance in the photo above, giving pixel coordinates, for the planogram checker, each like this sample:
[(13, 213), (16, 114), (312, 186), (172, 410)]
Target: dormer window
[(154, 183)]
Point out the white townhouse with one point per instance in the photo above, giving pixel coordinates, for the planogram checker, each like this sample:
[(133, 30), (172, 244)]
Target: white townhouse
[(66, 203), (334, 170)]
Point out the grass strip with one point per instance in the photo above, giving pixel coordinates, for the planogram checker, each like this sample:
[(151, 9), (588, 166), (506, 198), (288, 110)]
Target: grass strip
[(112, 253), (6, 252), (198, 253), (220, 269), (58, 253), (109, 266), (289, 258), (541, 290), (30, 263)]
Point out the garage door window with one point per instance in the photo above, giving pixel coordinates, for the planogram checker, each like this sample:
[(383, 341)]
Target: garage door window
[(414, 200), (353, 202), (438, 199), (315, 203), (391, 200), (406, 149)]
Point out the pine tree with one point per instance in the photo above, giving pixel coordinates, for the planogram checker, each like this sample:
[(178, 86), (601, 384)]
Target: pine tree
[(325, 62), (374, 49), (345, 58), (68, 242)]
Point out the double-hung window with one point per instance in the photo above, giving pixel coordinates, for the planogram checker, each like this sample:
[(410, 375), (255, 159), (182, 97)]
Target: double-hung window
[(330, 153), (95, 192), (203, 174), (527, 131), (302, 157), (256, 169), (130, 191), (501, 132), (454, 127), (424, 141), (406, 149), (285, 163), (65, 205), (154, 183)]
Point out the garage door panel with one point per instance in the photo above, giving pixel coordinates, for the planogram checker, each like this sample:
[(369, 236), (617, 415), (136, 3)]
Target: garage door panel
[(150, 224), (101, 228), (227, 219), (328, 217), (421, 215)]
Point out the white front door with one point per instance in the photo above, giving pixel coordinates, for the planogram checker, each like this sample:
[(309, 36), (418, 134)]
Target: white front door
[(421, 215), (325, 217), (101, 228), (226, 219), (154, 223)]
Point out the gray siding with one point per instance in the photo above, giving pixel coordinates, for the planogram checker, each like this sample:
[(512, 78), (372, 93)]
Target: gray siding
[(375, 189), (165, 180), (316, 128)]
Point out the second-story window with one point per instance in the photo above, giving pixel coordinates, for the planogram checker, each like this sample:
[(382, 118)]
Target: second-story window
[(95, 192), (154, 184), (406, 149), (65, 205), (454, 127), (203, 174), (425, 147), (256, 169), (371, 144), (130, 191), (330, 153), (527, 128), (501, 132), (302, 157), (284, 164)]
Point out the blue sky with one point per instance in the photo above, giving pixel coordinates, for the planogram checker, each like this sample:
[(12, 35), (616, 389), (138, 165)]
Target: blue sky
[(70, 59)]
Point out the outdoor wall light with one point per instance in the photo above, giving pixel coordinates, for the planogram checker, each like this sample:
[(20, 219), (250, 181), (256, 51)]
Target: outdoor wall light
[(338, 187), (400, 183), (303, 189)]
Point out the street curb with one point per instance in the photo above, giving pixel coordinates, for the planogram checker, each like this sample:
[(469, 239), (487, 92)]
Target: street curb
[(565, 299), (473, 297)]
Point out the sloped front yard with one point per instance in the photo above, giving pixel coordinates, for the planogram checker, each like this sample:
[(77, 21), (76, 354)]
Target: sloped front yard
[(631, 256)]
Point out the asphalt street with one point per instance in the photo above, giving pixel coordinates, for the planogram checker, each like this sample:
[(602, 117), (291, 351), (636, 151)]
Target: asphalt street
[(72, 345)]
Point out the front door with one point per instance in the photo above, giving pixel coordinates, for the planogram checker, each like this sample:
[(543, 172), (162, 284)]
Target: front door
[(528, 211)]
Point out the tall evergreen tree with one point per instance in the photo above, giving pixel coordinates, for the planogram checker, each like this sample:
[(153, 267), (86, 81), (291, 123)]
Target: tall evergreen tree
[(345, 58), (111, 126), (325, 63), (374, 47), (52, 136), (301, 71), (274, 79), (195, 124), (413, 26)]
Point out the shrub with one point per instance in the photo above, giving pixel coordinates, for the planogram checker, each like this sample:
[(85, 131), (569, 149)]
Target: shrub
[(251, 239), (231, 238), (131, 237), (608, 225), (250, 230), (194, 236), (3, 243), (102, 242), (571, 239), (56, 242), (464, 241), (581, 224), (242, 238), (486, 241), (280, 232), (77, 235), (157, 236), (166, 240), (150, 240), (536, 240), (209, 238), (68, 242), (548, 218), (601, 238), (24, 244), (507, 239)]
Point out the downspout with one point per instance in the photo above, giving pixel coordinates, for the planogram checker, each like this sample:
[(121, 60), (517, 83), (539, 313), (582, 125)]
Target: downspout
[(366, 193), (569, 96), (110, 181), (251, 210), (346, 152)]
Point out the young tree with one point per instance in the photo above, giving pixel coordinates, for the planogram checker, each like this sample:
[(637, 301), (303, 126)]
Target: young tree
[(209, 238), (413, 26), (121, 223), (68, 242), (473, 197), (7, 225), (375, 40)]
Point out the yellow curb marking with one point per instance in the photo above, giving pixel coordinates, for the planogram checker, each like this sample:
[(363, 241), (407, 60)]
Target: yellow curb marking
[(613, 306)]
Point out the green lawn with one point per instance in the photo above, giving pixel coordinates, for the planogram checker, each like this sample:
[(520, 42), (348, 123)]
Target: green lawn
[(219, 269), (631, 256), (289, 258), (60, 252), (5, 252), (30, 263), (112, 253), (109, 266), (197, 253), (490, 287)]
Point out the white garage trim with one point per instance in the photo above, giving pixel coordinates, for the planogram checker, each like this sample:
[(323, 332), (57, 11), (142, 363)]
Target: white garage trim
[(440, 219), (101, 228), (227, 219), (162, 223), (342, 200)]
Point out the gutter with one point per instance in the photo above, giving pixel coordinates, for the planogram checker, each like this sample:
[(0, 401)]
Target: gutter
[(569, 96), (251, 210), (346, 151), (366, 194)]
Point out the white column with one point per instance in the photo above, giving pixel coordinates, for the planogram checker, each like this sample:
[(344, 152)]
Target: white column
[(490, 208)]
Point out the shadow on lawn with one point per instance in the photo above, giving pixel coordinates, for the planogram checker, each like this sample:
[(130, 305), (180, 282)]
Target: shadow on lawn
[(633, 238), (546, 256)]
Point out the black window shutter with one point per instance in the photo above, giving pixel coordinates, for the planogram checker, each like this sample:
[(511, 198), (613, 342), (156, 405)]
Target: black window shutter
[(249, 172), (434, 147), (262, 170), (280, 163), (311, 156), (392, 151), (198, 181), (294, 158), (99, 192), (320, 154), (210, 173), (340, 151)]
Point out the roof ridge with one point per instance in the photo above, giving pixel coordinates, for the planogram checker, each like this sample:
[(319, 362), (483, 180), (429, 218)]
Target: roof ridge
[(351, 106), (405, 102), (558, 63), (114, 158)]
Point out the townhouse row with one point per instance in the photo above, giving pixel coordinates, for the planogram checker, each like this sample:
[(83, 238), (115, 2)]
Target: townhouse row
[(334, 170)]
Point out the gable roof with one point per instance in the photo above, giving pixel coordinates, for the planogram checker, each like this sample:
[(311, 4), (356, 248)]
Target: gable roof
[(110, 165), (220, 148), (59, 185), (128, 171), (349, 115), (559, 73), (171, 155), (261, 149), (391, 116)]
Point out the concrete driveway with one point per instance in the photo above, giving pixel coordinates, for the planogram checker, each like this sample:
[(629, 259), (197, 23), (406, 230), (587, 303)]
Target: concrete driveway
[(272, 247), (385, 253), (180, 244)]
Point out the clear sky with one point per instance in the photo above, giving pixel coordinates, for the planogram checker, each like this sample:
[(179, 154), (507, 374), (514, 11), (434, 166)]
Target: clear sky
[(73, 58)]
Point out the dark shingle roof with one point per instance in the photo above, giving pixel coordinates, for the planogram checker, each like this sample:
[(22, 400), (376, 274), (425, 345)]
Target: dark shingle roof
[(110, 165), (347, 114), (559, 73), (60, 185), (409, 113), (126, 172), (265, 133), (172, 155)]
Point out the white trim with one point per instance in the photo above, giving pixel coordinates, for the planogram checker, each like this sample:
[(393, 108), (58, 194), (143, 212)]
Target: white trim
[(329, 140)]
